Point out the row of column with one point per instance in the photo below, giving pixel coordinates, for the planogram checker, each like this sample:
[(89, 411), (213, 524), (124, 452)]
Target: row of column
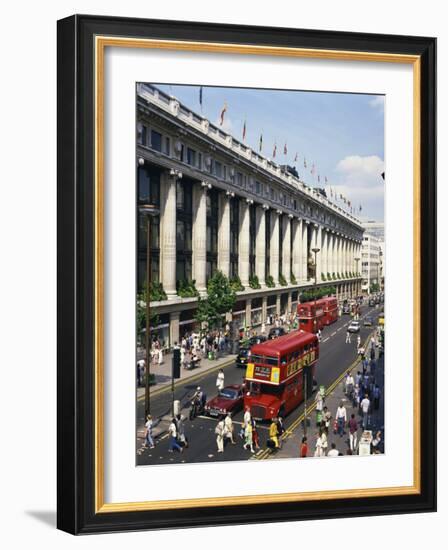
[(336, 253)]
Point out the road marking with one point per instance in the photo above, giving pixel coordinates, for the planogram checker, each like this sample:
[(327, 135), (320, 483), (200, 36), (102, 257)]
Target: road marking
[(326, 339), (333, 333)]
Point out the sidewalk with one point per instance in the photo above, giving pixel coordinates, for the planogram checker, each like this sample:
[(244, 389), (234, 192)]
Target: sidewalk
[(162, 372), (292, 442)]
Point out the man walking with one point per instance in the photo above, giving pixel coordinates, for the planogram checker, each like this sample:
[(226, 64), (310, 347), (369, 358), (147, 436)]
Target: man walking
[(341, 418), (365, 407), (148, 433), (219, 432), (228, 428), (348, 337), (220, 380)]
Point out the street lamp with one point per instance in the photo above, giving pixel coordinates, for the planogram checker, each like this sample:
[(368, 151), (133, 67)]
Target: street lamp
[(357, 271), (148, 210)]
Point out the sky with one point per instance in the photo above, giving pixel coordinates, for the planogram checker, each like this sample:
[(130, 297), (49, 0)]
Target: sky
[(341, 134)]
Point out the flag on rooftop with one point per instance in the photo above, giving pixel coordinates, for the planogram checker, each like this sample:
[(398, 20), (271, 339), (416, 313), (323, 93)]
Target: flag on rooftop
[(274, 151), (244, 131), (285, 149), (260, 144), (296, 157), (200, 96), (223, 112)]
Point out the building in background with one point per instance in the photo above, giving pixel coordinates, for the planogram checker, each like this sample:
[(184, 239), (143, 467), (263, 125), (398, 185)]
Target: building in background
[(376, 229), (371, 264), (223, 206)]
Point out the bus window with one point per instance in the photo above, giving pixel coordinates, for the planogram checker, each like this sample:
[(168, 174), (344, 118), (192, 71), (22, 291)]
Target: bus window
[(284, 360)]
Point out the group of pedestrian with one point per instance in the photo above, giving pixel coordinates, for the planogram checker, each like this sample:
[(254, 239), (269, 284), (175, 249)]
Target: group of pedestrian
[(224, 431)]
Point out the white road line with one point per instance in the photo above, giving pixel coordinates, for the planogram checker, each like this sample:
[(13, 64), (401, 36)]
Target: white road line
[(333, 333), (326, 339)]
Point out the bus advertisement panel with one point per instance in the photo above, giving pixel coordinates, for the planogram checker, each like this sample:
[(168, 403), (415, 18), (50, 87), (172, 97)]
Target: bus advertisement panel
[(279, 374)]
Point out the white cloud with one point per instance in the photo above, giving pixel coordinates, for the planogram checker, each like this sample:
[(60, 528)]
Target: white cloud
[(377, 102), (361, 182), (357, 171)]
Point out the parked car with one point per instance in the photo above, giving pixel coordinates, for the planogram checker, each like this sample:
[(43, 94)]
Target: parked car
[(275, 332), (368, 322), (354, 326), (229, 400)]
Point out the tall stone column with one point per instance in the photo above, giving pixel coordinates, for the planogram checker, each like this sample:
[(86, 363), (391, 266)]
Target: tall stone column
[(199, 243), (224, 234), (305, 229), (297, 250), (330, 252), (244, 243), (168, 234), (264, 309), (286, 248), (274, 247), (324, 252), (338, 254), (174, 327), (317, 243), (260, 244)]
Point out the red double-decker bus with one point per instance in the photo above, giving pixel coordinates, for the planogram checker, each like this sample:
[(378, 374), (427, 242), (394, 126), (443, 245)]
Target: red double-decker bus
[(311, 316), (279, 374), (330, 307), (316, 314)]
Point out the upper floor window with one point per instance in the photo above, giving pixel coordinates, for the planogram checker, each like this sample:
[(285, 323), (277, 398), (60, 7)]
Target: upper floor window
[(141, 134), (156, 140), (191, 157)]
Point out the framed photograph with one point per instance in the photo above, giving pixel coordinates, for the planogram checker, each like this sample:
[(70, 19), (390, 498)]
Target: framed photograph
[(246, 274)]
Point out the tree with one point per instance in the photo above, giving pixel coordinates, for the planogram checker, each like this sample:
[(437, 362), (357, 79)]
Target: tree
[(220, 299)]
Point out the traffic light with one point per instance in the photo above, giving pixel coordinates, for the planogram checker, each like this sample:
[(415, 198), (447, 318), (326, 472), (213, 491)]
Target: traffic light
[(176, 363)]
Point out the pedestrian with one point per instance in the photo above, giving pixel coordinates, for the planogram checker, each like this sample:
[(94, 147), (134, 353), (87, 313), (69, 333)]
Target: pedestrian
[(263, 329), (255, 436), (280, 428), (333, 451), (319, 406), (358, 342), (140, 371), (319, 451), (228, 428), (219, 432), (349, 384), (372, 350), (326, 419), (353, 429), (220, 380), (341, 417), (304, 447), (273, 433), (148, 432), (324, 441), (348, 337), (376, 397), (181, 436), (365, 407), (172, 432), (376, 441), (248, 441)]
